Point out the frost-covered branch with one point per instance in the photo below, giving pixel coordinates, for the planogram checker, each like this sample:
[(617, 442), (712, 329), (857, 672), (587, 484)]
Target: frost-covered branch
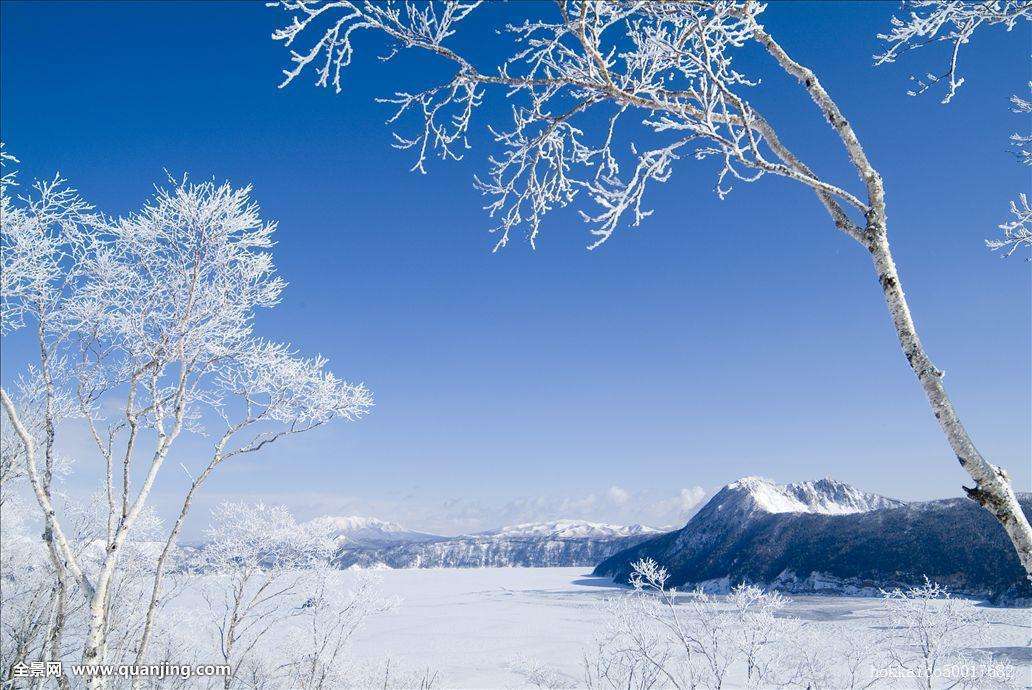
[(951, 23), (1022, 142), (954, 22), (652, 72), (1017, 232)]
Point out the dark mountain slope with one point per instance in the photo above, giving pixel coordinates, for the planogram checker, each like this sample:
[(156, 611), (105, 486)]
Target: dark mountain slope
[(733, 539)]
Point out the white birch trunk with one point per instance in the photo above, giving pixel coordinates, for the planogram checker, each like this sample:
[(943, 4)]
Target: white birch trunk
[(159, 573), (992, 489), (59, 538), (95, 648)]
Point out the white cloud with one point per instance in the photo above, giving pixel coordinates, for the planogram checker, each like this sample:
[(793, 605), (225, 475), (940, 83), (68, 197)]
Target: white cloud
[(691, 498), (618, 495)]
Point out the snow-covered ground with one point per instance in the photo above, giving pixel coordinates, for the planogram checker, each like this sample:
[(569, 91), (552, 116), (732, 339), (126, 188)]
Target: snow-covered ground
[(468, 623)]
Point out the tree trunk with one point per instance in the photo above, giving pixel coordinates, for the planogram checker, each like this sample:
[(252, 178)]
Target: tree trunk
[(992, 489), (159, 572), (96, 643), (992, 485), (42, 497), (57, 626), (94, 652)]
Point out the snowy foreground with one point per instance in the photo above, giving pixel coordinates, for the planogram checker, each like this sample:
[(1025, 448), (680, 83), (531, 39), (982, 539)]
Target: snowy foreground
[(468, 625)]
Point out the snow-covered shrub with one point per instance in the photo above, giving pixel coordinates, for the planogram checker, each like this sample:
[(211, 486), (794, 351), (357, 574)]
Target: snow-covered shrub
[(659, 637)]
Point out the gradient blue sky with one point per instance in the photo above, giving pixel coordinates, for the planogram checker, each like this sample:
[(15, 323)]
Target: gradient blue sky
[(718, 339)]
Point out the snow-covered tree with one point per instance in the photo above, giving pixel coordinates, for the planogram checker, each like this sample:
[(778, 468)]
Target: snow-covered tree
[(255, 558), (150, 315), (28, 587), (938, 638), (607, 100), (755, 615), (41, 243), (835, 657), (659, 637), (320, 635)]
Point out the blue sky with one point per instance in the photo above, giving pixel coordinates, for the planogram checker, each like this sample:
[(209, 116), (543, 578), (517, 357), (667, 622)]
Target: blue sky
[(719, 339)]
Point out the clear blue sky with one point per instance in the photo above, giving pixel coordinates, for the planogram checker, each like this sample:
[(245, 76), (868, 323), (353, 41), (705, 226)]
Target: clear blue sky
[(718, 339)]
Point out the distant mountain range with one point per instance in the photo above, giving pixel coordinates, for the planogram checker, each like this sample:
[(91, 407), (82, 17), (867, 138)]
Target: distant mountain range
[(821, 536), (367, 531), (826, 536), (561, 543)]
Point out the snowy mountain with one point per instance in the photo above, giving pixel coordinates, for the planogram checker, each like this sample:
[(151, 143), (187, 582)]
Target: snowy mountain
[(824, 496), (366, 531), (830, 537), (560, 543), (568, 529)]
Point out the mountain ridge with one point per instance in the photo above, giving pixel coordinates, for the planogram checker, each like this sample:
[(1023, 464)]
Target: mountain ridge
[(842, 540), (367, 530), (568, 529), (536, 544), (826, 496)]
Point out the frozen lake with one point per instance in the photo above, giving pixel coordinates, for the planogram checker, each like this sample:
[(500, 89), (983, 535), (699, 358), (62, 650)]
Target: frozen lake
[(468, 623)]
